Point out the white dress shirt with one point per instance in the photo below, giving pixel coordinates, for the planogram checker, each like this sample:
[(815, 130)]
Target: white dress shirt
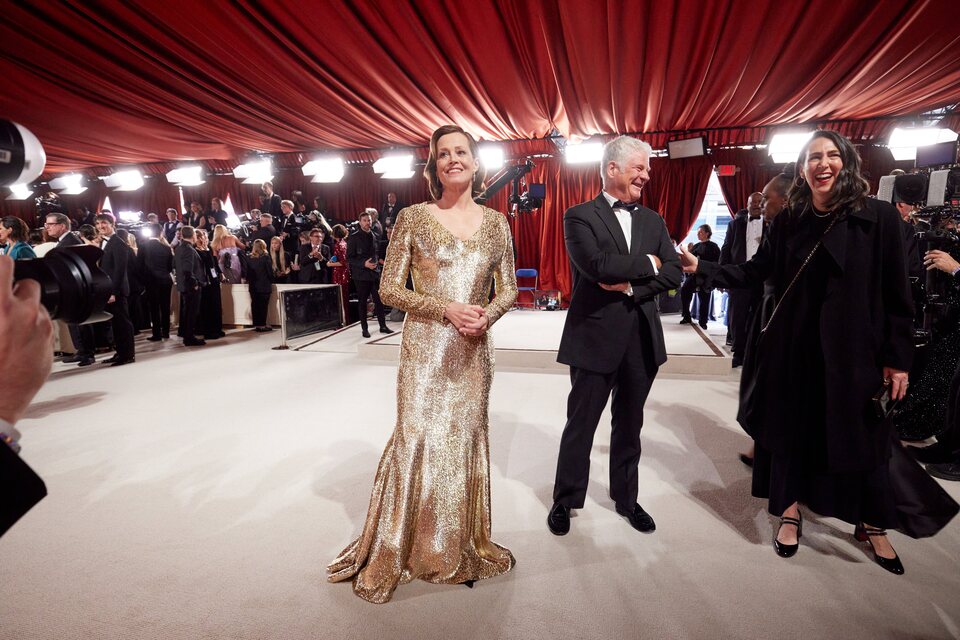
[(754, 235), (625, 218)]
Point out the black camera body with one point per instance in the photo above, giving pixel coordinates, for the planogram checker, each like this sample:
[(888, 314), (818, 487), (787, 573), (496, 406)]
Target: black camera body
[(72, 287)]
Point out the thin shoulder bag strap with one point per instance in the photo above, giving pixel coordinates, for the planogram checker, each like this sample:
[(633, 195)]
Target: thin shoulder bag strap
[(799, 271)]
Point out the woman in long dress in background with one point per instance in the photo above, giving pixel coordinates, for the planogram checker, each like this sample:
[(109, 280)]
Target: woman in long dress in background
[(429, 514)]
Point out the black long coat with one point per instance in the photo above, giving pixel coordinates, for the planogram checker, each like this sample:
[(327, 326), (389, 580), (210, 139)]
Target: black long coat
[(865, 325)]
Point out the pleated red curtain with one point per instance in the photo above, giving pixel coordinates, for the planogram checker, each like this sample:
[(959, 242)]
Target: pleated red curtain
[(676, 191), (754, 170)]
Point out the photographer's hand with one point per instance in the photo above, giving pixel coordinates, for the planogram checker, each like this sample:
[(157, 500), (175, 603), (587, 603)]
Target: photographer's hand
[(26, 342), (940, 260)]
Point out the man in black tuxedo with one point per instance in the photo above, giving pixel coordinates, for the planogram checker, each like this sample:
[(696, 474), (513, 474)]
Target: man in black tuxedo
[(156, 264), (266, 230), (364, 269), (622, 257), (57, 226), (707, 250), (313, 259), (744, 236), (191, 278), (216, 215), (270, 201), (390, 210), (116, 255), (171, 226)]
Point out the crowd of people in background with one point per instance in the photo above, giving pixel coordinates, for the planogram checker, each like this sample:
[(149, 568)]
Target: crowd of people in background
[(283, 242)]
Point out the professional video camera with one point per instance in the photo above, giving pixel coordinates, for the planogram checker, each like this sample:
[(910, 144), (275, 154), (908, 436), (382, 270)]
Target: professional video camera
[(523, 197)]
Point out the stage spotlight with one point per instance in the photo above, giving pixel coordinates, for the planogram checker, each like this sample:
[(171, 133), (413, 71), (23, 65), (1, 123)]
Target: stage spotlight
[(256, 172), (19, 192), (129, 180), (584, 153), (324, 169), (785, 147), (70, 184), (394, 164), (129, 216), (903, 142), (186, 176), (22, 157), (491, 156)]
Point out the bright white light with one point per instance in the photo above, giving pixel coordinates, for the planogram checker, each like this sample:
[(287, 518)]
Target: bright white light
[(584, 153), (130, 180), (71, 184), (146, 232), (129, 216), (255, 172), (186, 176), (233, 222), (398, 175), (228, 206), (491, 156), (903, 143), (393, 164), (19, 192), (785, 147), (324, 169)]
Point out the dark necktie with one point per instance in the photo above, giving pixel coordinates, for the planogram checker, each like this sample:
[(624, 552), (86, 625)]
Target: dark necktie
[(619, 204)]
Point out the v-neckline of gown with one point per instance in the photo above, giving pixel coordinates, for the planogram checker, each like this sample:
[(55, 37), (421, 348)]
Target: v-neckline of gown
[(451, 233)]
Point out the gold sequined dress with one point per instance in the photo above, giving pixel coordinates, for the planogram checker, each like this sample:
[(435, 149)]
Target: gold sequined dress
[(429, 513)]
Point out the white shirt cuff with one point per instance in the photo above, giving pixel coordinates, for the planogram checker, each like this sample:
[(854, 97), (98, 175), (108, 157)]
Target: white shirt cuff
[(9, 429), (656, 271)]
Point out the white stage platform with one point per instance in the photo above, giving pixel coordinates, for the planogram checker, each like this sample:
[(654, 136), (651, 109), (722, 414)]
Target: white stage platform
[(530, 339)]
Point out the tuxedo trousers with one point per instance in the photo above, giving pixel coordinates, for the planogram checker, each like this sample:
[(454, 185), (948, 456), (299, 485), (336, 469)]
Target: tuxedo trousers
[(122, 327), (366, 289), (189, 313), (158, 302), (630, 384)]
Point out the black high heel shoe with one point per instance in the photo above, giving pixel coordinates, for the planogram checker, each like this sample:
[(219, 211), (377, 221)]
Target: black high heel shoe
[(788, 550), (893, 565)]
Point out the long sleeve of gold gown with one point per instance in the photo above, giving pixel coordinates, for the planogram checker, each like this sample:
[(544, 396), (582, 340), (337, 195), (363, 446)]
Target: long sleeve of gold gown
[(429, 513)]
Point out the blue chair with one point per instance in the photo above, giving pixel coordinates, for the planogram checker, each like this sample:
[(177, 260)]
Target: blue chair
[(527, 273)]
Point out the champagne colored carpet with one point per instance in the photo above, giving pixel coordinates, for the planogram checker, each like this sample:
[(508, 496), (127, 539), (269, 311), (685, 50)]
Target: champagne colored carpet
[(200, 493)]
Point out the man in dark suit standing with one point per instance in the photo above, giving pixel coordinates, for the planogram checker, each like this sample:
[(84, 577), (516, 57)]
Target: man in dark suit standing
[(116, 254), (266, 230), (270, 202), (390, 210), (191, 277), (313, 257), (364, 269), (706, 250), (57, 226), (156, 264), (171, 226), (216, 215), (622, 257), (744, 235)]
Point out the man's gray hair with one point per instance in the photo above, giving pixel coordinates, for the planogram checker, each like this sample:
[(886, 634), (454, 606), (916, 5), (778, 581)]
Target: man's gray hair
[(618, 149)]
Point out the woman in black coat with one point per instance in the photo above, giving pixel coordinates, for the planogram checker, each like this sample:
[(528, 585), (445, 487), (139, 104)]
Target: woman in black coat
[(211, 307), (835, 263), (259, 271)]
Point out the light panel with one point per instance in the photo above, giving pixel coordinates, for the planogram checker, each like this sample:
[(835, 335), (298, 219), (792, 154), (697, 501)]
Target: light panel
[(491, 156), (324, 169), (71, 184), (19, 192), (785, 147), (398, 175), (584, 153), (397, 163), (256, 172), (186, 176), (129, 180)]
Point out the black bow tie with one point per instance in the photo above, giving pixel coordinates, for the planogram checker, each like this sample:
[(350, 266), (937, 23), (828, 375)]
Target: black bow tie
[(619, 204)]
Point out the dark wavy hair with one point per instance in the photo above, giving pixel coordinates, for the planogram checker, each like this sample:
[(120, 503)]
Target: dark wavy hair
[(850, 189), (19, 231), (430, 171)]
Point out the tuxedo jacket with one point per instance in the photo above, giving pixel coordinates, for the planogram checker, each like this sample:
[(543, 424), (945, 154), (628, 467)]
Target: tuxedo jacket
[(189, 268), (599, 322), (156, 259), (734, 249), (116, 255), (309, 274), (69, 239), (362, 246)]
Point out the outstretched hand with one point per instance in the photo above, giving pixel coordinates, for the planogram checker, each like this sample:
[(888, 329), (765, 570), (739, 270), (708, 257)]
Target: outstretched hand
[(688, 260)]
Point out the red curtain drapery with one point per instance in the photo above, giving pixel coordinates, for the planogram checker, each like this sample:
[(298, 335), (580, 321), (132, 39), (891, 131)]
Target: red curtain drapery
[(754, 170), (676, 191)]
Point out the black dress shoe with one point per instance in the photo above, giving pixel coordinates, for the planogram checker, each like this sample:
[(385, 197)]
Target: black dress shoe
[(122, 361), (74, 357), (863, 534), (386, 329), (194, 343), (558, 520), (638, 518), (788, 550), (86, 362), (686, 321), (366, 334), (111, 359), (747, 460), (945, 471), (703, 325), (154, 339)]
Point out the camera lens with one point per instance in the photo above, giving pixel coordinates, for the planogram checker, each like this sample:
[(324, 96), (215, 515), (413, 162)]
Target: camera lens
[(72, 286)]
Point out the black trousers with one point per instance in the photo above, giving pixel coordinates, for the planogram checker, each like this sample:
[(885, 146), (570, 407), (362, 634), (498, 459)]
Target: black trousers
[(630, 384), (158, 302), (365, 289), (189, 313), (83, 339), (703, 300), (259, 303), (740, 309), (211, 311), (122, 328)]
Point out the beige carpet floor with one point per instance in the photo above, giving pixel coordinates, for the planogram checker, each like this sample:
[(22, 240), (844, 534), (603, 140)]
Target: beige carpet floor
[(200, 494)]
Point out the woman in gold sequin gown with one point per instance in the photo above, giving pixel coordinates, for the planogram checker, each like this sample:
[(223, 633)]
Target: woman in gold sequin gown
[(429, 514)]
